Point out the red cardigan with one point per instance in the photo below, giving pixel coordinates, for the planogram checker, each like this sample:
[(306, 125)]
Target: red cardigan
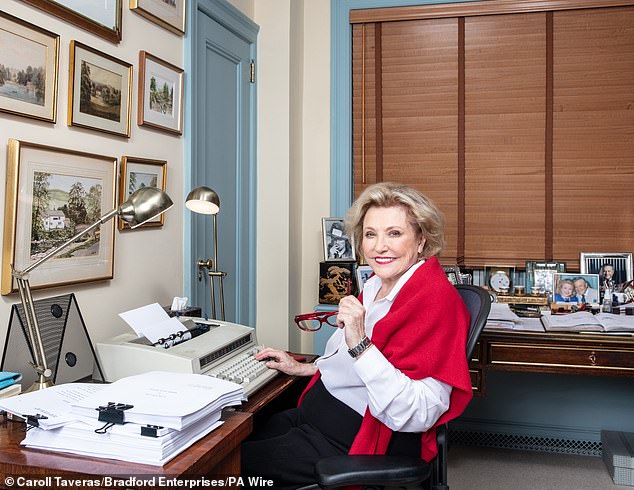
[(423, 335)]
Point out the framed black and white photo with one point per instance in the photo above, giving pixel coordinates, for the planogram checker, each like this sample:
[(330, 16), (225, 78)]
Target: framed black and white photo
[(613, 268), (160, 94), (337, 245), (28, 69), (540, 275), (100, 91), (363, 274)]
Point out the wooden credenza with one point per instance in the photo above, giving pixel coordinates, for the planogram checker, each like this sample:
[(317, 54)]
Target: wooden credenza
[(589, 354)]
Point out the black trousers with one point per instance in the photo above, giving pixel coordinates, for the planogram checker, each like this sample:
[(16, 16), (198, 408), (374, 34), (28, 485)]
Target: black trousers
[(289, 445)]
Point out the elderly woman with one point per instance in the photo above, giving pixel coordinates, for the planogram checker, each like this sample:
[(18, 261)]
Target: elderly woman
[(396, 366)]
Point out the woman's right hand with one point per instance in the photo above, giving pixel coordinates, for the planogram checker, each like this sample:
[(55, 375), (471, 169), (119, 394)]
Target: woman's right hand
[(282, 361)]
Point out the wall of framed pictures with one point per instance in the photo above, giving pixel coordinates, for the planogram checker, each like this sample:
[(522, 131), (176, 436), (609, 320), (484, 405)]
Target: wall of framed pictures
[(71, 109)]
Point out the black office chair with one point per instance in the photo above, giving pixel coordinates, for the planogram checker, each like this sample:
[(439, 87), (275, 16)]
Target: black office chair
[(397, 471)]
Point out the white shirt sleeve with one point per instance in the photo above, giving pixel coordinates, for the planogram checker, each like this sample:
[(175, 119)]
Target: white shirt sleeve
[(399, 402)]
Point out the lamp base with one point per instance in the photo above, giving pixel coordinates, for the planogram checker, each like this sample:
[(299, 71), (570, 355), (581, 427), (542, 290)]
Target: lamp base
[(39, 385)]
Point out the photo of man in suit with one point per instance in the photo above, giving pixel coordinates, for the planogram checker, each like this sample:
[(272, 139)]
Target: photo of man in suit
[(585, 294)]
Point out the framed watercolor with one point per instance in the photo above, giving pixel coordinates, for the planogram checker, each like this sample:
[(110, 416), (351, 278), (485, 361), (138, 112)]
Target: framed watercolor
[(169, 14), (100, 91), (161, 86), (363, 274), (337, 245), (599, 263), (541, 275), (28, 69), (141, 172), (50, 194), (569, 287), (101, 18)]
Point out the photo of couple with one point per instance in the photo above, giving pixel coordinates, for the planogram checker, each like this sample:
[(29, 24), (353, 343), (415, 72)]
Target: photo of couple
[(576, 288)]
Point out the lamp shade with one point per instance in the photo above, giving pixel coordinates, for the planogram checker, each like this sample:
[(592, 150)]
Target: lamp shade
[(143, 205), (203, 200)]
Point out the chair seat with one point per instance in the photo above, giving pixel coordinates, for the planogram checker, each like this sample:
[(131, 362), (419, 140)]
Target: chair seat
[(339, 471)]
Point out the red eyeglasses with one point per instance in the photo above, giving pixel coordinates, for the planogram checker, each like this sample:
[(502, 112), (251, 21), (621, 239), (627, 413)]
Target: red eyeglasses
[(311, 322)]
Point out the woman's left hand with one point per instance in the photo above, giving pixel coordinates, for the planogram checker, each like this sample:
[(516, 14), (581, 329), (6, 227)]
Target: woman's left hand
[(351, 318)]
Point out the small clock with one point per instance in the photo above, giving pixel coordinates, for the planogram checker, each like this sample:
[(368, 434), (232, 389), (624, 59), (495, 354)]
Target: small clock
[(500, 279)]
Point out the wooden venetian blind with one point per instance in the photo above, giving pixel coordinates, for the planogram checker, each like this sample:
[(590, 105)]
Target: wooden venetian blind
[(518, 125)]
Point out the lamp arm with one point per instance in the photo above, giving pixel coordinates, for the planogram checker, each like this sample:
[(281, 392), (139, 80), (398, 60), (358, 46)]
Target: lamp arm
[(54, 252), (33, 329)]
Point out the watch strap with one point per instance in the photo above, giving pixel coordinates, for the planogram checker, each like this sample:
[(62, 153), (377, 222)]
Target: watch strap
[(360, 348)]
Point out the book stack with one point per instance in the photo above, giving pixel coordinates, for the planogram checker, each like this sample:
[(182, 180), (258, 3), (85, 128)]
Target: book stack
[(149, 418), (618, 456), (9, 385)]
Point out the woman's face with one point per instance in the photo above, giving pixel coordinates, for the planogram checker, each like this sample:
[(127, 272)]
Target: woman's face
[(390, 244), (566, 290)]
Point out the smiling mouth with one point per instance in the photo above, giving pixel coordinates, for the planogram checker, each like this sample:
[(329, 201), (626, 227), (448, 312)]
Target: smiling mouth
[(384, 260)]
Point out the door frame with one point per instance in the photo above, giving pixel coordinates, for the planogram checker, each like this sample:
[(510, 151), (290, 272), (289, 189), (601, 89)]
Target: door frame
[(242, 26)]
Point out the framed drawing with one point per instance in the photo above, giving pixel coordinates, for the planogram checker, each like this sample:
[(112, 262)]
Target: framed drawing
[(363, 274), (169, 14), (575, 288), (161, 87), (337, 245), (28, 69), (141, 172), (541, 275), (100, 18), (615, 268), (52, 193), (100, 91)]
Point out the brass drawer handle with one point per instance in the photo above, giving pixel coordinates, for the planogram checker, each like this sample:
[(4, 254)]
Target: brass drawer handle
[(593, 358)]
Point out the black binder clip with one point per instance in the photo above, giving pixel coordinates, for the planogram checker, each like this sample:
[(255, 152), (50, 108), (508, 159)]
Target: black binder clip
[(111, 414), (33, 420), (152, 430)]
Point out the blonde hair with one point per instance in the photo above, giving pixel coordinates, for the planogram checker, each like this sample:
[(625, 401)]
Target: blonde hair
[(566, 281), (422, 214)]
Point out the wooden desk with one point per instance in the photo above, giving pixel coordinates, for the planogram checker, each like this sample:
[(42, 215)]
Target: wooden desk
[(592, 354), (215, 456)]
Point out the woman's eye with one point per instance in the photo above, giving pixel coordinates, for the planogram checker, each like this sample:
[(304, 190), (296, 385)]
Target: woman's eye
[(395, 233), (369, 234)]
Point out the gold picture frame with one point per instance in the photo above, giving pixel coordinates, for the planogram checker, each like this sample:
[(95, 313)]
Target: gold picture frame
[(139, 172), (50, 192), (170, 15), (100, 18), (100, 91), (30, 56), (161, 87)]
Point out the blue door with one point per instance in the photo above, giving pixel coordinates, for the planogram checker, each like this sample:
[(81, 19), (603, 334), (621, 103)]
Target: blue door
[(222, 154)]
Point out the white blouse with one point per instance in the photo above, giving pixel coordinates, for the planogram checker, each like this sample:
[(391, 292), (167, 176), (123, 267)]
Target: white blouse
[(401, 403)]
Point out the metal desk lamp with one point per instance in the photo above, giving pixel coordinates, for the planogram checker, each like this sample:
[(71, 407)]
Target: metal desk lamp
[(143, 205), (204, 200)]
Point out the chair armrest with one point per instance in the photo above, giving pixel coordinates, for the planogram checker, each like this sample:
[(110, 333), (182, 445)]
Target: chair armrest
[(344, 470)]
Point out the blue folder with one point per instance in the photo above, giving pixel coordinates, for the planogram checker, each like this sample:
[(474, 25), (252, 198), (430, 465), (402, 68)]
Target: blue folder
[(7, 378)]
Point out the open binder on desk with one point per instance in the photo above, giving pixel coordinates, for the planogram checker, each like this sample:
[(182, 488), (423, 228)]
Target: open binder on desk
[(584, 321)]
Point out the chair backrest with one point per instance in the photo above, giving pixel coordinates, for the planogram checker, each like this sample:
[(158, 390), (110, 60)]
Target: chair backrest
[(478, 303)]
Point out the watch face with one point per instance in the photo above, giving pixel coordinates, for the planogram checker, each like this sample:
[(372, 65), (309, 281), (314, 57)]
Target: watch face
[(500, 281)]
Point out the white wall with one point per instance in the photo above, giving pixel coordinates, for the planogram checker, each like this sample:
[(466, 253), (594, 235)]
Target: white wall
[(293, 161), (148, 262)]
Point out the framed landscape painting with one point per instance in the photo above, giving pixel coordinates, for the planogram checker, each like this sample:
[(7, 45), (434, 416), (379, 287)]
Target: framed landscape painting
[(28, 69), (52, 193), (100, 91), (169, 14), (141, 172), (100, 17), (160, 94)]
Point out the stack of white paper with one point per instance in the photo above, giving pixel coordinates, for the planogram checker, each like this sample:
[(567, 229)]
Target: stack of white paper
[(167, 413), (501, 316)]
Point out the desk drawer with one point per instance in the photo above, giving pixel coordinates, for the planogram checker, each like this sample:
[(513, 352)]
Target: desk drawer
[(562, 359)]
